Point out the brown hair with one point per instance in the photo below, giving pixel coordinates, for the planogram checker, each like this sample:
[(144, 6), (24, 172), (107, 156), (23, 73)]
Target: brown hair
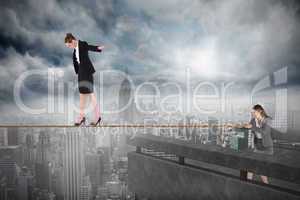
[(69, 37), (260, 109)]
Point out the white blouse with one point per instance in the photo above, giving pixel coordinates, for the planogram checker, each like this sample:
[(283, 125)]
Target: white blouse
[(77, 52), (258, 134)]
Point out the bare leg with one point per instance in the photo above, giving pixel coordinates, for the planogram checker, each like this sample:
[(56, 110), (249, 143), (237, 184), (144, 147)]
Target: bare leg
[(264, 179), (82, 98), (95, 106), (250, 175)]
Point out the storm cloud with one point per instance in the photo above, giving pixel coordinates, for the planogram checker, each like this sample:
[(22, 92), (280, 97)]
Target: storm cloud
[(232, 40)]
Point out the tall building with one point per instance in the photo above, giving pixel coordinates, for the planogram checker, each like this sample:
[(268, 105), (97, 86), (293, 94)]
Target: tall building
[(121, 147), (24, 184), (43, 147), (42, 166), (29, 153), (41, 194), (86, 189), (213, 131), (106, 164), (94, 169), (58, 183), (8, 177), (102, 193), (12, 136), (13, 153), (3, 137), (73, 163), (114, 189), (126, 102), (3, 191)]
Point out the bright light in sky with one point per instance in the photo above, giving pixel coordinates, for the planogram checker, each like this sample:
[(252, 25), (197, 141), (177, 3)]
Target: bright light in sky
[(202, 61)]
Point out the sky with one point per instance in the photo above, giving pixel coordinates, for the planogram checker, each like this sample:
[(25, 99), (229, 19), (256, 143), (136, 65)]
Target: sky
[(230, 40)]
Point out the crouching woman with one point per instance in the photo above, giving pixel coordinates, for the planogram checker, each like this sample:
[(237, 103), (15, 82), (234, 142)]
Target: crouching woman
[(263, 143)]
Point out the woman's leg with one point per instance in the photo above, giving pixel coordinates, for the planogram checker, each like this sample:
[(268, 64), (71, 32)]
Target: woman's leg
[(246, 174), (95, 106), (264, 179), (250, 175), (82, 98)]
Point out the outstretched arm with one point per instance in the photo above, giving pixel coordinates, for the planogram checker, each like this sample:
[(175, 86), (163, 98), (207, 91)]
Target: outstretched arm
[(95, 48), (250, 125)]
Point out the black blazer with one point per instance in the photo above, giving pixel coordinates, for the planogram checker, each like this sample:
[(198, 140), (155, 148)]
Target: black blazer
[(85, 66)]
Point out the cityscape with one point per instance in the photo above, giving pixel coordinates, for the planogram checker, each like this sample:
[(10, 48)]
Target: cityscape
[(150, 100), (91, 163)]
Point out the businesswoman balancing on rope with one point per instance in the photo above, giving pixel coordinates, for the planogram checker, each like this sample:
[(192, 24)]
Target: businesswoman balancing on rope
[(85, 70)]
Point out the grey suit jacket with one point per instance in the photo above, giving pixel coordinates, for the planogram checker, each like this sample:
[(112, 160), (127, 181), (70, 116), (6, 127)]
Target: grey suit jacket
[(264, 130)]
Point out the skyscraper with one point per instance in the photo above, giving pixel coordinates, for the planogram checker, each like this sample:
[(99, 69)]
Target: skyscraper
[(42, 166), (24, 184), (3, 137), (13, 153), (73, 164), (29, 157), (8, 177), (12, 136), (94, 169), (86, 189), (126, 102)]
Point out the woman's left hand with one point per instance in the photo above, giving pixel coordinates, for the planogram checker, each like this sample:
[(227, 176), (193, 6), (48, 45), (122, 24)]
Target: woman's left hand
[(100, 47)]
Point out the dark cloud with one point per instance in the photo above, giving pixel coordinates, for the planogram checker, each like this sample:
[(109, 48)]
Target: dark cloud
[(232, 40)]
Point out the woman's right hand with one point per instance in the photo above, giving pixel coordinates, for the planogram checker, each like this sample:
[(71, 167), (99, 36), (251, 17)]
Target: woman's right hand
[(248, 126), (229, 125)]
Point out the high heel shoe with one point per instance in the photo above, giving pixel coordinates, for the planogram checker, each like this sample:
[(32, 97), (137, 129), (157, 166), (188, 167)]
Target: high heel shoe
[(95, 124), (82, 121)]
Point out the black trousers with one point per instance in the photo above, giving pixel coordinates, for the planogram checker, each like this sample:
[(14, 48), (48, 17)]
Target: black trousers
[(258, 148)]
